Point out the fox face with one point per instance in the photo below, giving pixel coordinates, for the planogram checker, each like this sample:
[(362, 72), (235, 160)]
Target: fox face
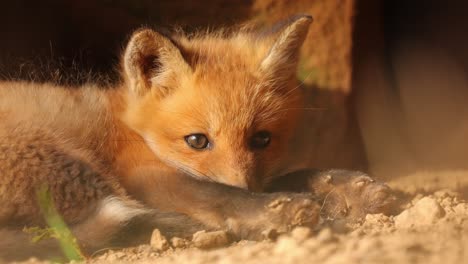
[(220, 108)]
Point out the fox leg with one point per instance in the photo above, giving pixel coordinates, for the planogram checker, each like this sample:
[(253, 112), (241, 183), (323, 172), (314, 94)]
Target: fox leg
[(95, 232), (91, 202), (245, 214), (96, 206), (343, 194), (116, 223)]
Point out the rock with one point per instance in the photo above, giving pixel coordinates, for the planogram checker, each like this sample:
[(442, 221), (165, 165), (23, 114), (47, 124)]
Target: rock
[(178, 242), (377, 221), (158, 241), (425, 211), (119, 255), (285, 245), (270, 234), (326, 236), (301, 233), (446, 202), (208, 240), (461, 209)]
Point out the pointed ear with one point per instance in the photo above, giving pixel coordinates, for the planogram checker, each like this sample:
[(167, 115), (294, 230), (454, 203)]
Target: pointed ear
[(282, 58), (151, 62)]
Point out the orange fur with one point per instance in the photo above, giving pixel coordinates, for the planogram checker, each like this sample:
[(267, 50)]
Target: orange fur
[(89, 143), (227, 87)]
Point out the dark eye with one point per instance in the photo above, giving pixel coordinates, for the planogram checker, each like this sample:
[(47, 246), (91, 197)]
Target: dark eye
[(197, 141), (260, 140)]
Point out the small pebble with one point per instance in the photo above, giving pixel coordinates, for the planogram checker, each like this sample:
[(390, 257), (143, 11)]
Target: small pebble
[(158, 241), (301, 233), (178, 242), (270, 234), (209, 240), (326, 236), (425, 212)]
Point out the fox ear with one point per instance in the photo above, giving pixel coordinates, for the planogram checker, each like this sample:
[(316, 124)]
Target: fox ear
[(151, 62), (282, 58)]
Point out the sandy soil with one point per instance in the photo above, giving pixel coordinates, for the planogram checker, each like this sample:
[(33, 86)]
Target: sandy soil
[(431, 227)]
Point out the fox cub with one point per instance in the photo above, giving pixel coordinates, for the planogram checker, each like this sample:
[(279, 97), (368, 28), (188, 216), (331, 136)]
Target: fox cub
[(195, 136)]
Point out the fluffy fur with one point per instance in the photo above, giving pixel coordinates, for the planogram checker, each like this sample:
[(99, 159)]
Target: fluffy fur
[(117, 158), (100, 150)]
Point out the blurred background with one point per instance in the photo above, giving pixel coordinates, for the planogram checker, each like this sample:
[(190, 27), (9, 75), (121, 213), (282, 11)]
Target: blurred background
[(388, 77)]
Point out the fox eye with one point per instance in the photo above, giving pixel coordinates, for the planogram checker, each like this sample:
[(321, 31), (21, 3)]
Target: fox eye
[(260, 140), (197, 141)]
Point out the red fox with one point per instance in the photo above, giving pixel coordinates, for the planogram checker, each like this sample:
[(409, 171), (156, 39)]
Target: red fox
[(194, 137)]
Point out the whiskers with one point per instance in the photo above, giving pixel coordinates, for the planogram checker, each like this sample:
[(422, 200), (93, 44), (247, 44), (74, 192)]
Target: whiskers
[(175, 164), (190, 171), (322, 207)]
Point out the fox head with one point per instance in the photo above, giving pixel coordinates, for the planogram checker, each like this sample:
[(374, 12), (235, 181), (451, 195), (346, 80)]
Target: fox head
[(219, 107)]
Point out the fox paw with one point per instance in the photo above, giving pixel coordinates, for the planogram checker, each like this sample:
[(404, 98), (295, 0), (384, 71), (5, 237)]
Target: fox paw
[(276, 213), (290, 210), (350, 195)]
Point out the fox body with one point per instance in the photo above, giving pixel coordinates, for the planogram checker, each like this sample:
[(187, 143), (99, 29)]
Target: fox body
[(198, 127)]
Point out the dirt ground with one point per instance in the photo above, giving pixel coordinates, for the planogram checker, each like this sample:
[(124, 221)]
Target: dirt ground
[(431, 227)]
